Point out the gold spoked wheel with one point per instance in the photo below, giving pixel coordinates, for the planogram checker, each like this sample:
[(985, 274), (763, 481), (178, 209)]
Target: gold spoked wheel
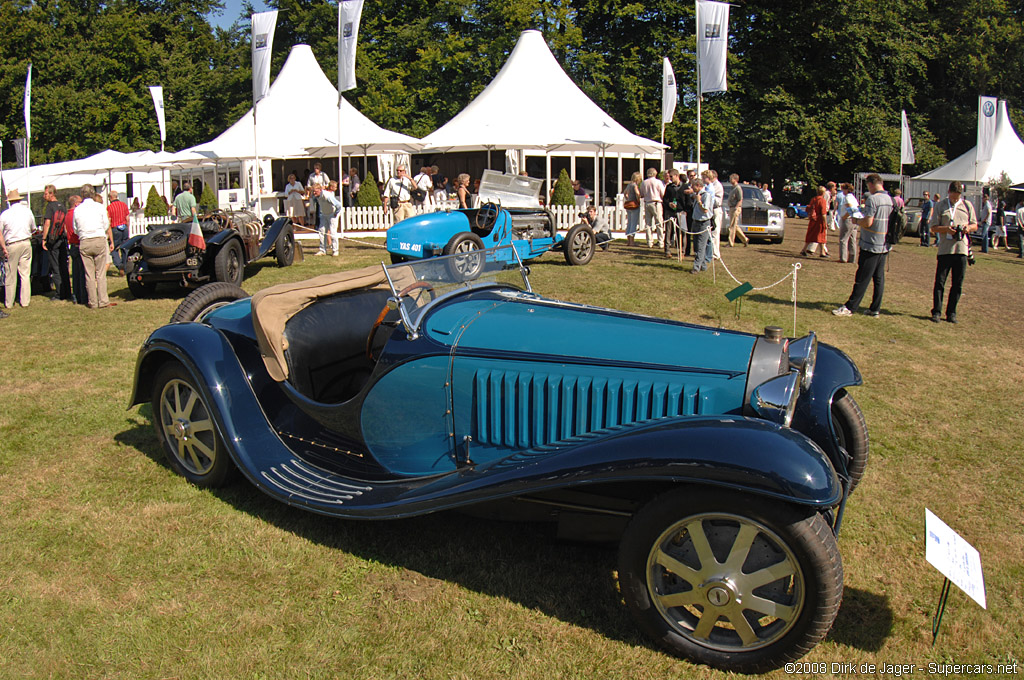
[(187, 427)]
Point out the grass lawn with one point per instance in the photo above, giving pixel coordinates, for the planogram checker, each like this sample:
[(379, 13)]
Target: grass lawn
[(113, 567)]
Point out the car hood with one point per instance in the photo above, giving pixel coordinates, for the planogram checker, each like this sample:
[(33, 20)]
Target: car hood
[(528, 326), (761, 205)]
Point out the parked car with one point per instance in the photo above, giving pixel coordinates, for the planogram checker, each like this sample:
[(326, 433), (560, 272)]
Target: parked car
[(912, 208), (796, 210), (759, 218), (1013, 234), (509, 213), (233, 239), (402, 390)]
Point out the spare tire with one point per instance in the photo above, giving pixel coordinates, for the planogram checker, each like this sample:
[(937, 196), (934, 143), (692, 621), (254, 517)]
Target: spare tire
[(205, 299), (172, 260), (165, 241)]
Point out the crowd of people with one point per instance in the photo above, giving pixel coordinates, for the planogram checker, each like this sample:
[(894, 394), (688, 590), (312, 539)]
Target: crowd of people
[(684, 210)]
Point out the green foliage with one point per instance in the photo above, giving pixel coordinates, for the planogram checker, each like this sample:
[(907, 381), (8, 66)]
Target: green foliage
[(368, 195), (562, 195), (208, 201), (155, 206)]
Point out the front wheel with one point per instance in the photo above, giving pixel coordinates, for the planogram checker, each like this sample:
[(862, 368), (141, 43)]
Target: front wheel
[(579, 245), (467, 264), (186, 429), (790, 213), (731, 580), (228, 266), (851, 431), (205, 299), (284, 247)]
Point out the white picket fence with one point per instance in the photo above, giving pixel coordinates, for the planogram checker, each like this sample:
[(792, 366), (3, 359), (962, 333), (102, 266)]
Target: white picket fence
[(367, 221)]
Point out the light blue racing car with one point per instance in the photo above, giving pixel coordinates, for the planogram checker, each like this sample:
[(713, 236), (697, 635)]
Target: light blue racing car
[(509, 214)]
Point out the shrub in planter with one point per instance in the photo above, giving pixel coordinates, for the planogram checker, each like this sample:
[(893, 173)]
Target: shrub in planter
[(563, 190), (368, 195), (155, 206)]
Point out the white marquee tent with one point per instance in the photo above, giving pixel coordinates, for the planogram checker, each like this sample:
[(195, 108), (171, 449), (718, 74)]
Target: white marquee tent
[(1007, 156), (301, 111), (533, 104)]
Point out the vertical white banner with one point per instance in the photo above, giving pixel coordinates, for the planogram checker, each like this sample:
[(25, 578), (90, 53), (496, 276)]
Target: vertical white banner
[(349, 13), (712, 45), (28, 104), (669, 96), (906, 145), (986, 127), (158, 101), (263, 25)]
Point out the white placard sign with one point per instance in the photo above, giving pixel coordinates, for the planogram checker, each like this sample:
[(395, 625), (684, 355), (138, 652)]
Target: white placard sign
[(955, 558)]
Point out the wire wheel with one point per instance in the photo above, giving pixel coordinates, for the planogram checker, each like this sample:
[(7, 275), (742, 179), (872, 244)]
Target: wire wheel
[(725, 581)]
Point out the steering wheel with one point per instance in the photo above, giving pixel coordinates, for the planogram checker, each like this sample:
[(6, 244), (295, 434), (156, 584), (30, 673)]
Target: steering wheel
[(384, 312), (487, 215)]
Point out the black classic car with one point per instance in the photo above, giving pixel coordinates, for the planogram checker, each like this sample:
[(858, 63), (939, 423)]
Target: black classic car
[(231, 240), (447, 383)]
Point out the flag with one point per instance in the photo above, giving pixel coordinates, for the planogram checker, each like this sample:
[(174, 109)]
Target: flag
[(986, 127), (349, 12), (906, 145), (195, 236), (263, 25), (712, 45), (158, 101), (28, 104), (669, 97), (19, 151)]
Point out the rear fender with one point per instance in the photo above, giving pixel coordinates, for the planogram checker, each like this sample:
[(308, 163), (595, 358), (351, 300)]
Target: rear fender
[(271, 237), (748, 454)]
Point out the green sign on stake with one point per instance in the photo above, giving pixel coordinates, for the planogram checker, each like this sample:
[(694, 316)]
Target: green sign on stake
[(738, 292)]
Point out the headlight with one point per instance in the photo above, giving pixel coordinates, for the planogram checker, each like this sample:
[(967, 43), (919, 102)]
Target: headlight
[(802, 355), (775, 399)]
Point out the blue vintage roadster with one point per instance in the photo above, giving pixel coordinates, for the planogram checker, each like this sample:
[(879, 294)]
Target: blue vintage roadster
[(721, 460)]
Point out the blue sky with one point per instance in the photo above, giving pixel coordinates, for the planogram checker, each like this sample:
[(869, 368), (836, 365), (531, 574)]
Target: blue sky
[(232, 9)]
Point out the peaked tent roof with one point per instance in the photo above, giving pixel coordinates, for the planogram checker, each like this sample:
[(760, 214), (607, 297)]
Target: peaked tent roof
[(299, 111), (1007, 156), (533, 104)]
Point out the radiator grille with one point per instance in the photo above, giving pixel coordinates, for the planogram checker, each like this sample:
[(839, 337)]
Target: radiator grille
[(755, 217), (525, 409)]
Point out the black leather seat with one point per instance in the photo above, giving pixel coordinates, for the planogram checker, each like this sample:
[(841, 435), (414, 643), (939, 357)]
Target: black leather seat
[(326, 352)]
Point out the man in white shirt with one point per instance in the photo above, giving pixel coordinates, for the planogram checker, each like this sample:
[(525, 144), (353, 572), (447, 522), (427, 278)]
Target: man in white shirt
[(398, 194), (711, 179), (16, 226), (92, 225), (653, 192), (424, 184)]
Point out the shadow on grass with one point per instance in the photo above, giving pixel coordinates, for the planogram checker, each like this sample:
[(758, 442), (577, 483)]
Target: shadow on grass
[(864, 622), (523, 562)]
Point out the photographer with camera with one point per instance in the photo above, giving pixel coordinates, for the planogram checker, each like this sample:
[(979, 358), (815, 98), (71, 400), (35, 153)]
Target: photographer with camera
[(599, 225), (953, 220)]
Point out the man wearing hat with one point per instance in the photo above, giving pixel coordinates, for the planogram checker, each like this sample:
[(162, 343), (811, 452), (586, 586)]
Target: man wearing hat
[(16, 226), (953, 220)]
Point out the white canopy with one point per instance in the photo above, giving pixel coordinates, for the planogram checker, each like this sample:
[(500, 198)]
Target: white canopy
[(300, 111), (1007, 156), (533, 104)]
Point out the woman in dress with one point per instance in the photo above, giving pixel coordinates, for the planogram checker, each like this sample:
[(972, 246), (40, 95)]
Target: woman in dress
[(817, 229), (293, 206), (462, 189), (631, 196)]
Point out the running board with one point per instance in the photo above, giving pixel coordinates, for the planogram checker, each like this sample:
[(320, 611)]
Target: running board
[(300, 480)]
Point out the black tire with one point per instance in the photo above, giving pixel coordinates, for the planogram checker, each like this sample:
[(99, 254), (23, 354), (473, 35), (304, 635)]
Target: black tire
[(284, 247), (187, 430), (166, 261), (790, 213), (205, 299), (466, 266), (778, 240), (852, 433), (679, 589), (139, 289), (579, 245), (164, 241), (228, 266)]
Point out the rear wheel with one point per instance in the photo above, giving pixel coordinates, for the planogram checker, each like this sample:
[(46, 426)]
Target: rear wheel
[(186, 429), (467, 264), (731, 580), (228, 266), (790, 213), (139, 289), (851, 430), (284, 246), (579, 245), (205, 299)]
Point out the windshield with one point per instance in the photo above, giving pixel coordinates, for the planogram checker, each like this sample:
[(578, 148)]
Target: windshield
[(417, 285), (752, 194)]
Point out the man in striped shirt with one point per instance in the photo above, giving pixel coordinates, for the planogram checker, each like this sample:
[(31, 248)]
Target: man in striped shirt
[(117, 211)]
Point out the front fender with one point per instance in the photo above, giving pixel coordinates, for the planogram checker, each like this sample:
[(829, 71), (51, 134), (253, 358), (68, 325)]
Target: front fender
[(271, 236), (730, 451)]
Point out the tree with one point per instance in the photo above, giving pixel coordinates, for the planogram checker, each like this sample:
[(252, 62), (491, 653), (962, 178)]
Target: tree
[(368, 195), (155, 206), (562, 195), (208, 201)]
